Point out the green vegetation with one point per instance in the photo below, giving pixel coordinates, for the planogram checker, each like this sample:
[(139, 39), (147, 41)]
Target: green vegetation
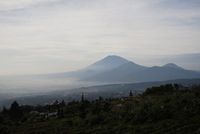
[(166, 109)]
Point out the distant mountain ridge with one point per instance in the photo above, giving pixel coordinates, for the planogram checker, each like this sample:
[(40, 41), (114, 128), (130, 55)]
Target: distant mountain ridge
[(116, 69), (108, 63), (103, 65), (172, 65)]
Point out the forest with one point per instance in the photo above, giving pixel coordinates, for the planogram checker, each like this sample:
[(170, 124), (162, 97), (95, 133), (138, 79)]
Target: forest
[(165, 109)]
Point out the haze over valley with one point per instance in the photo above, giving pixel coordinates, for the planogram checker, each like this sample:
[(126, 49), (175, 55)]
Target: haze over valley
[(64, 44), (108, 70)]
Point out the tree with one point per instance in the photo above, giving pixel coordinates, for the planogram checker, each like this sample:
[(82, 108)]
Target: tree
[(5, 110), (130, 94), (82, 97), (14, 106), (63, 104), (56, 103), (100, 98), (83, 106), (176, 86), (60, 113), (15, 111)]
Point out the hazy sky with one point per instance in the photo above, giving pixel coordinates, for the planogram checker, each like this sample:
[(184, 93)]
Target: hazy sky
[(41, 36)]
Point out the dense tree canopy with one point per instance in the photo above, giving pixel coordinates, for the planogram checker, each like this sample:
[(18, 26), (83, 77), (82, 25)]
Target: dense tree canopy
[(166, 109)]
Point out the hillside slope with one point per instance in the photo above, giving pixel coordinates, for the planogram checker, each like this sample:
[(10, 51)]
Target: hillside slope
[(167, 109)]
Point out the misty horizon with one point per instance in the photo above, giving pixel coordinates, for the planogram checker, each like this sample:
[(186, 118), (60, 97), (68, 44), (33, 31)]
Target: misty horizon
[(112, 69), (49, 36), (187, 61)]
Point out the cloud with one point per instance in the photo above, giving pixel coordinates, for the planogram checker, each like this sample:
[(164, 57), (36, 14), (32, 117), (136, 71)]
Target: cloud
[(20, 4), (36, 34)]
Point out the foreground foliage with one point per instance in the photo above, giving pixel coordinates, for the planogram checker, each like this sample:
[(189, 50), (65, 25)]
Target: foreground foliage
[(167, 109)]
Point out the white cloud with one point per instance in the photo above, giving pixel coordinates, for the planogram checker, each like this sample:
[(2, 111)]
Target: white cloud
[(6, 5), (74, 33)]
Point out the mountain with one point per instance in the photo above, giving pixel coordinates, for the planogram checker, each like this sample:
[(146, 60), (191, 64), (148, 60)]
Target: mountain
[(172, 65), (189, 61), (132, 72), (103, 65), (118, 74), (115, 69), (162, 73), (107, 63)]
